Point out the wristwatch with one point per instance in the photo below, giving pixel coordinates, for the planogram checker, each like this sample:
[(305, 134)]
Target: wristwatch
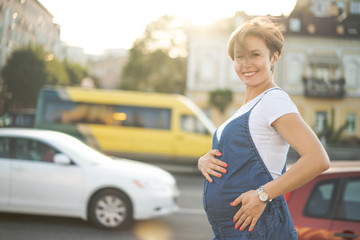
[(263, 196)]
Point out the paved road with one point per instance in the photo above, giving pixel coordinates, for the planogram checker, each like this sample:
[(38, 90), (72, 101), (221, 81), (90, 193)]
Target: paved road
[(190, 223)]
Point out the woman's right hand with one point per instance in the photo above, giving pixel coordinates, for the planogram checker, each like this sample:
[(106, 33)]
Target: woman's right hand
[(209, 165)]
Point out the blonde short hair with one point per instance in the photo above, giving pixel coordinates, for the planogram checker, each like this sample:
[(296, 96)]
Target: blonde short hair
[(261, 27)]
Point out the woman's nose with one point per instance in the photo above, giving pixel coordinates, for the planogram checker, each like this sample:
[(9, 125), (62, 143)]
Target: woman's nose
[(247, 61)]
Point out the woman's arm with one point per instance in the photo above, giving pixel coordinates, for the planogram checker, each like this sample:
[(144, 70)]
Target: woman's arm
[(313, 157), (313, 161)]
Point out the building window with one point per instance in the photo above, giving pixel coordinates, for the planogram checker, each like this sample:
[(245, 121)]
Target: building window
[(295, 72), (207, 66), (351, 123), (295, 24), (322, 73), (207, 69), (355, 7), (321, 120), (351, 74)]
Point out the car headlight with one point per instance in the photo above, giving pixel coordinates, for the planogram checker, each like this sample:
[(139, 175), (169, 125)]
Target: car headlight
[(154, 184)]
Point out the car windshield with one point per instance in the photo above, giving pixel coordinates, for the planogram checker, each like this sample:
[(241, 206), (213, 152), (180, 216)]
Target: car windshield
[(83, 151)]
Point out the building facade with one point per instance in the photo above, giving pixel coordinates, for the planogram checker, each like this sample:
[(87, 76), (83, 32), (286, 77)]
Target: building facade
[(319, 67), (23, 22), (108, 67)]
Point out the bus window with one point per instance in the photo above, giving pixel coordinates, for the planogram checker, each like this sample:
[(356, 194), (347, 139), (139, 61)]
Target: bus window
[(66, 112), (71, 113), (144, 117), (191, 124)]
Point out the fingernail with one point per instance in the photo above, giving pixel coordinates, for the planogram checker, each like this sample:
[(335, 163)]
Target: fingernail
[(226, 165), (220, 153), (241, 229), (250, 230), (210, 180), (224, 171), (219, 175), (232, 203), (233, 219), (236, 227)]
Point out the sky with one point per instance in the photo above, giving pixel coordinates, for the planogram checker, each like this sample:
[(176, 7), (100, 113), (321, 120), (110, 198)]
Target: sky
[(97, 25)]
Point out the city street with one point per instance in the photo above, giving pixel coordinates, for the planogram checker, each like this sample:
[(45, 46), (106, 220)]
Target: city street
[(190, 223)]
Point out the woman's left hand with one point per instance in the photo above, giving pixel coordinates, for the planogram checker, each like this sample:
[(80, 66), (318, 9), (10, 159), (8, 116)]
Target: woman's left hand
[(250, 211)]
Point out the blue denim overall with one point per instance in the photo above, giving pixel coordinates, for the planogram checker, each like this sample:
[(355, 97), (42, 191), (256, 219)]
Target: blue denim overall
[(246, 171)]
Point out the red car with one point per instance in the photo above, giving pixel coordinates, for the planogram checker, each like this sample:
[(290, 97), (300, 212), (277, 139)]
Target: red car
[(328, 207)]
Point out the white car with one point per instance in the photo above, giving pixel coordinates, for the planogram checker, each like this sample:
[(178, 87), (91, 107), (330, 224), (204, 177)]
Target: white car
[(51, 173)]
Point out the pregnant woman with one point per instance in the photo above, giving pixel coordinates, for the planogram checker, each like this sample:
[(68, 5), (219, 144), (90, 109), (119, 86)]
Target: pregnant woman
[(245, 170)]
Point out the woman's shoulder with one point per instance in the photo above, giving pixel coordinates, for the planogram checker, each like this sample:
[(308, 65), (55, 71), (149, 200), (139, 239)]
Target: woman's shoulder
[(276, 99), (274, 104), (277, 93)]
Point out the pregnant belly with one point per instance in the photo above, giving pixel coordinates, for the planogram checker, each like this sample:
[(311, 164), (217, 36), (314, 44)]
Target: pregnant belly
[(217, 199), (217, 206)]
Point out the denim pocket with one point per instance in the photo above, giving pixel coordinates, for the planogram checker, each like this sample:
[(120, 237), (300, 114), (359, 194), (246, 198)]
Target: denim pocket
[(270, 218)]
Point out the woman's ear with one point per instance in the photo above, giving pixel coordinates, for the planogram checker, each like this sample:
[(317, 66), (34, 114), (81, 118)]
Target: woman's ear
[(275, 58)]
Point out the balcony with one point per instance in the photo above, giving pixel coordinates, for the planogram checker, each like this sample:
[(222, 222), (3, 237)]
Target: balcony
[(319, 88)]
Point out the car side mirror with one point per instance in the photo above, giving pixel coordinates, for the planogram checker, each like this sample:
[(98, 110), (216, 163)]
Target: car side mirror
[(60, 158)]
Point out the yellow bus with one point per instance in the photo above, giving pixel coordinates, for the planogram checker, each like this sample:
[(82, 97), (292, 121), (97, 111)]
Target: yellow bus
[(137, 125)]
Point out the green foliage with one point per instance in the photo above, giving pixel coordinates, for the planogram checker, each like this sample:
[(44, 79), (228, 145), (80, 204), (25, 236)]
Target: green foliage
[(220, 99), (56, 71), (76, 72), (57, 74), (331, 134), (157, 60), (24, 74), (27, 70)]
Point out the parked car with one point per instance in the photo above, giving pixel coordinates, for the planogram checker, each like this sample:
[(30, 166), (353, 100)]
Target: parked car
[(51, 173), (328, 207)]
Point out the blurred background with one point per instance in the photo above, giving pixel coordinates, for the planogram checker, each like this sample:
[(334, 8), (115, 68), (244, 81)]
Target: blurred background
[(180, 47)]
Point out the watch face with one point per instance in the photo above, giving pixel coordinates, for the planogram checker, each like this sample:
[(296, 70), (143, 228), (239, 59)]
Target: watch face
[(263, 197)]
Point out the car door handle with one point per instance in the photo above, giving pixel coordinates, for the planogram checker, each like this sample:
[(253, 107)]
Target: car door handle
[(346, 235)]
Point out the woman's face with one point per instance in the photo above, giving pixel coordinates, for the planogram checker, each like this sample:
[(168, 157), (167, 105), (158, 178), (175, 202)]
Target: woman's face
[(253, 62)]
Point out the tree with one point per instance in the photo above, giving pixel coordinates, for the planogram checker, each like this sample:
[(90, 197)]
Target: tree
[(157, 60), (55, 69), (27, 70), (24, 74), (76, 72), (57, 73)]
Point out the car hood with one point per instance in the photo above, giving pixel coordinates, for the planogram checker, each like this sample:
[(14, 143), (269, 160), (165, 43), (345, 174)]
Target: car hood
[(138, 169)]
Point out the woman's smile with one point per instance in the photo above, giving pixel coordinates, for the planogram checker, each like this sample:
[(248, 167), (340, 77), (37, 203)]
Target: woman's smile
[(249, 74)]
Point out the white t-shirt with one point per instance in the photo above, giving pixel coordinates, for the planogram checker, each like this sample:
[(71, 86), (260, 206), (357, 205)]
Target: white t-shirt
[(271, 146)]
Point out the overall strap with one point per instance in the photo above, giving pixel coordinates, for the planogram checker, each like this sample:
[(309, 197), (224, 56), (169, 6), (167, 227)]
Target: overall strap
[(269, 90)]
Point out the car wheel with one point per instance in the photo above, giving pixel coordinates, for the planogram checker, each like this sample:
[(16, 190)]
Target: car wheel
[(110, 209)]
